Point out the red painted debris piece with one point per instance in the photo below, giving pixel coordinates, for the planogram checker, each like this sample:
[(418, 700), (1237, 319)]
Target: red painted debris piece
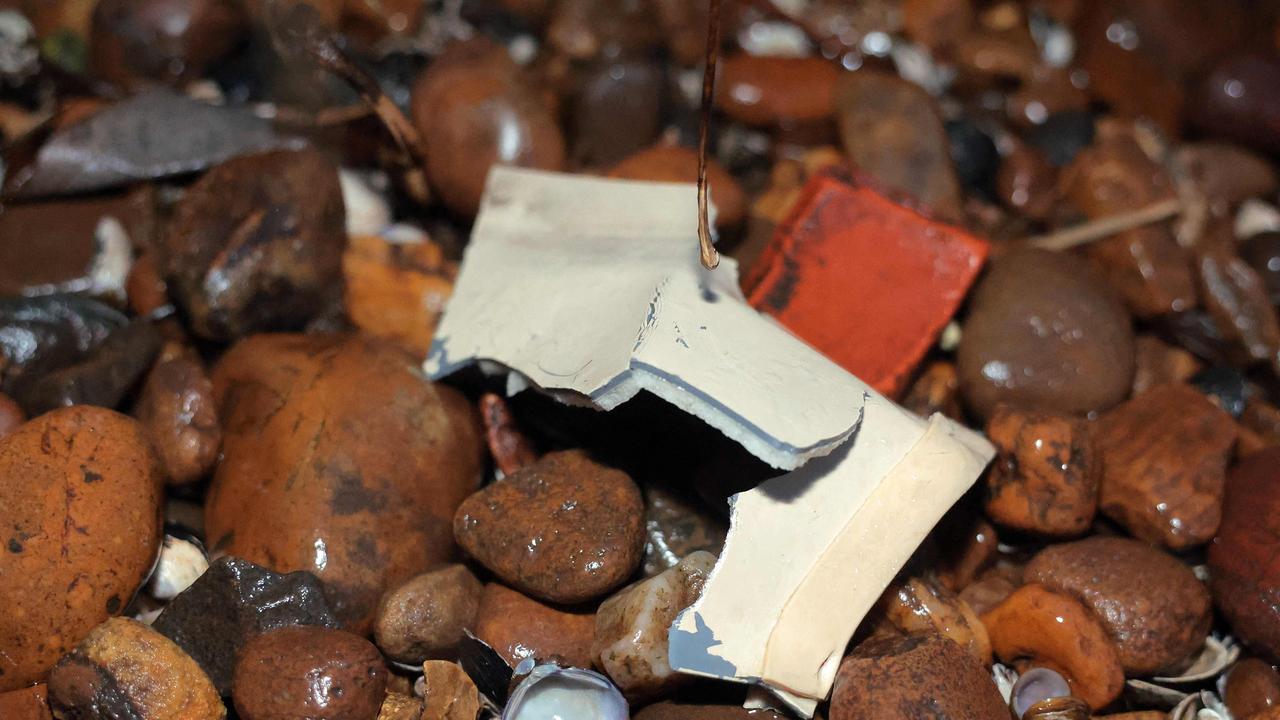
[(868, 282)]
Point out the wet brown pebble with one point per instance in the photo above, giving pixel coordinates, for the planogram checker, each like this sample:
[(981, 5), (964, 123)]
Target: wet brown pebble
[(178, 410), (1240, 99), (892, 129), (80, 497), (29, 703), (474, 108), (1226, 174), (309, 673), (911, 677), (1044, 332), (256, 244), (396, 290), (770, 91), (1245, 580), (683, 711), (426, 616), (1252, 686), (132, 44), (125, 669), (1262, 252), (1146, 264), (616, 110), (1151, 604), (448, 692), (937, 24), (1159, 363), (1164, 459), (519, 627), (674, 163), (1044, 479), (11, 415), (1027, 183), (339, 459), (564, 529)]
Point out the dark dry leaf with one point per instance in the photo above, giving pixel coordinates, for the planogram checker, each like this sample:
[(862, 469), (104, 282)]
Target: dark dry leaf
[(152, 135)]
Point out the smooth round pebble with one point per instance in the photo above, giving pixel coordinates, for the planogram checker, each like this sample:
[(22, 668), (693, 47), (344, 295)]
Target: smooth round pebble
[(426, 616), (309, 673), (1044, 332)]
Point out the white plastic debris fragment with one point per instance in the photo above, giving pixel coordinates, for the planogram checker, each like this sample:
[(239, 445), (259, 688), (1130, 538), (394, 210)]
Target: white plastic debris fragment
[(590, 290)]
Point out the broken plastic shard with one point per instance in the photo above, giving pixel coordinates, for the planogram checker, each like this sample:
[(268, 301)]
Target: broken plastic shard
[(590, 290), (155, 134)]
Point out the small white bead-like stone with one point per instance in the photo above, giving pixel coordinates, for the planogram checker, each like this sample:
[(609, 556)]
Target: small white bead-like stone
[(181, 562)]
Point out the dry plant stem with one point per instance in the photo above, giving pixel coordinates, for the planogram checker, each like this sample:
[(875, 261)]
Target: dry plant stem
[(298, 25), (710, 258), (1093, 230)]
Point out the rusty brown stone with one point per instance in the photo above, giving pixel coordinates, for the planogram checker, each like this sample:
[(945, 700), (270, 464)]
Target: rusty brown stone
[(674, 163), (80, 508), (125, 669), (180, 415), (1245, 580), (1027, 183), (564, 529), (448, 692), (769, 91), (1145, 265), (1056, 631), (256, 244), (520, 627), (29, 703), (1044, 479), (397, 290), (1151, 604), (311, 673), (11, 415), (892, 129), (426, 616), (888, 678), (937, 389), (1159, 363), (339, 459), (1252, 686), (1164, 459)]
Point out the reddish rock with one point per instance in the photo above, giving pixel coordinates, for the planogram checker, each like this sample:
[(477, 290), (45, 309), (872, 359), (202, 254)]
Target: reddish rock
[(682, 711), (11, 415), (1027, 183), (339, 459), (1164, 460), (132, 44), (674, 163), (474, 108), (912, 677), (124, 669), (29, 703), (1252, 687), (1045, 476), (396, 290), (1159, 363), (426, 616), (891, 128), (1146, 264), (309, 673), (520, 627), (769, 91), (181, 417), (1044, 332), (1239, 100), (1151, 604), (1245, 579), (80, 508), (256, 244), (564, 529)]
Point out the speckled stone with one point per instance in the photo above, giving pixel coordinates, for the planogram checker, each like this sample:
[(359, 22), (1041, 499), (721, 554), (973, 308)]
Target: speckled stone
[(519, 627), (309, 673), (426, 616), (564, 529)]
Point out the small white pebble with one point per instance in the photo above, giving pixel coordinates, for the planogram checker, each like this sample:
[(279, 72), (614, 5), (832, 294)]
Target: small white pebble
[(367, 210), (950, 338), (181, 563)]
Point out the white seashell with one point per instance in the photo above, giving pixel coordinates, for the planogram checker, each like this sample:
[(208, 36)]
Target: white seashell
[(1215, 657), (1200, 706), (1005, 678), (550, 692), (181, 562)]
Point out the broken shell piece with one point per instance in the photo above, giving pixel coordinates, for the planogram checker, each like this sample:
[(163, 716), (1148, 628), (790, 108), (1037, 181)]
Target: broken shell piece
[(1215, 657), (181, 563), (1034, 687), (1144, 693), (550, 691), (1200, 706)]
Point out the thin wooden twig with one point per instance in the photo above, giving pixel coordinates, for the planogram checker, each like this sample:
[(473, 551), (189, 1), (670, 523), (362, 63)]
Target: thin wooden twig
[(707, 250), (1103, 227)]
